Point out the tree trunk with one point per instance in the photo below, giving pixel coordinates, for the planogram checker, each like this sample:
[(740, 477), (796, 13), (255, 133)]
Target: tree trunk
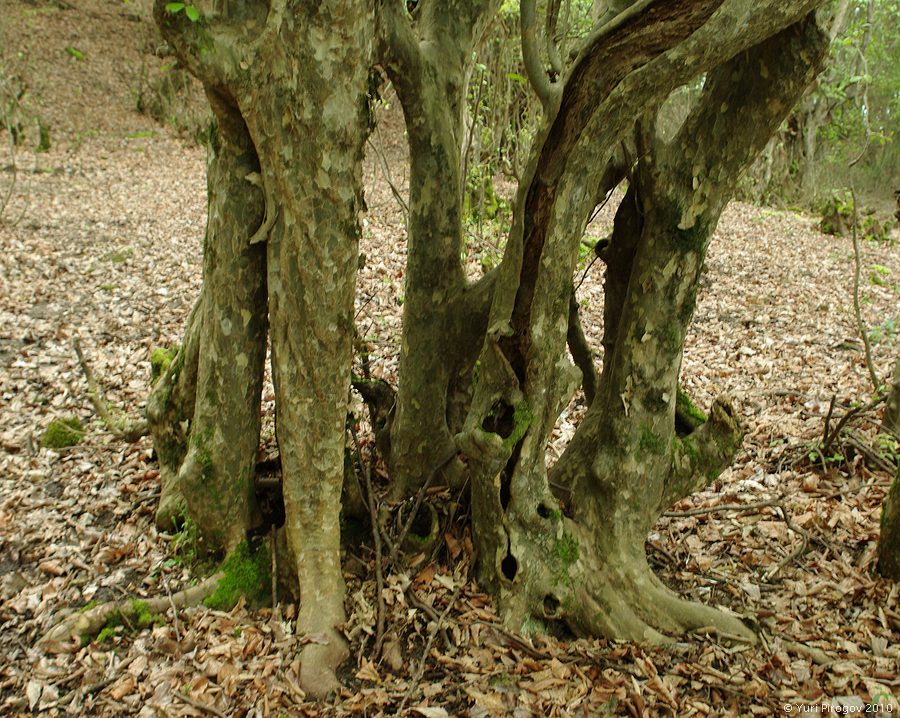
[(891, 418), (429, 62), (294, 78), (216, 380), (889, 542), (626, 463)]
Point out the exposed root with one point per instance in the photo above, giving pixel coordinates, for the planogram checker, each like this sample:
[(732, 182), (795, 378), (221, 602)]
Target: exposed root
[(170, 510), (633, 604), (120, 428), (79, 626), (696, 617), (319, 661)]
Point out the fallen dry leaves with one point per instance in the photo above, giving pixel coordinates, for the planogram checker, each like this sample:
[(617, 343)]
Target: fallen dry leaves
[(108, 249)]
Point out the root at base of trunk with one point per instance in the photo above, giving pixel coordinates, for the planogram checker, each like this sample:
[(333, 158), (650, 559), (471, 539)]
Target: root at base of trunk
[(326, 648), (633, 604), (319, 663)]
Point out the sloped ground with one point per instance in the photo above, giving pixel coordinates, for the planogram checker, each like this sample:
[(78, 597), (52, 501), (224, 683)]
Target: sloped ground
[(107, 248)]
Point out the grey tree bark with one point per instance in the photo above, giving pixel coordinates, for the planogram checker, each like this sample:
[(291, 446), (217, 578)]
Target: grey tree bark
[(484, 372), (288, 82), (429, 60), (626, 464)]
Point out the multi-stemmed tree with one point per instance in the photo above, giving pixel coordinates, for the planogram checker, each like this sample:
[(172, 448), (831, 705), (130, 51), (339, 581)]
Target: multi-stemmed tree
[(484, 368)]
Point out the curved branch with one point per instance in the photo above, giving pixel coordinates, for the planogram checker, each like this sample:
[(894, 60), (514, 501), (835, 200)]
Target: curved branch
[(398, 47), (203, 46), (547, 92), (120, 428), (580, 349), (701, 456)]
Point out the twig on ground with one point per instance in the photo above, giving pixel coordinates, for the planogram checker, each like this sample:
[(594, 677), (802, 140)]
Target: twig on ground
[(199, 705), (420, 669), (816, 655), (803, 533), (176, 622), (826, 431), (857, 311), (123, 430), (414, 601), (96, 687), (829, 439), (516, 641), (723, 507), (420, 495), (376, 538), (856, 440)]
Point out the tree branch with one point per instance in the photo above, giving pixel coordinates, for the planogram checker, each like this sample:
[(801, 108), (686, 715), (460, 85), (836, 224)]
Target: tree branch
[(89, 623), (398, 46), (121, 429), (199, 45), (581, 352), (701, 456), (547, 92)]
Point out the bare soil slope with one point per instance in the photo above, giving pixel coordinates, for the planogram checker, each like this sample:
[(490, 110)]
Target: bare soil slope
[(102, 241)]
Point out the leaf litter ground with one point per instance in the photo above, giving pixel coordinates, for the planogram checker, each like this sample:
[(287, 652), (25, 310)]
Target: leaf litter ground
[(102, 241)]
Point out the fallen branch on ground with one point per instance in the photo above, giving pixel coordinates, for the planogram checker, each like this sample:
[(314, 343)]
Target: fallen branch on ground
[(89, 623), (121, 429), (806, 536)]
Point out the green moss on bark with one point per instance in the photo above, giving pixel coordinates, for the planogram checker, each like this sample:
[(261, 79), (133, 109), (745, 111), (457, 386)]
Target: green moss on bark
[(684, 405), (161, 359), (246, 574), (567, 550), (522, 418), (651, 442)]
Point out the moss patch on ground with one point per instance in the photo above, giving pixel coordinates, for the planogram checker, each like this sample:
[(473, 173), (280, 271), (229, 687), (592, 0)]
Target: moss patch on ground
[(137, 616), (246, 574), (63, 433)]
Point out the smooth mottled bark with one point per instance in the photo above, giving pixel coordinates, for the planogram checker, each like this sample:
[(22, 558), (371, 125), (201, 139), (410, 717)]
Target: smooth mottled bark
[(429, 61), (295, 77), (889, 541), (484, 370), (216, 476), (205, 409), (625, 462), (891, 418), (309, 131)]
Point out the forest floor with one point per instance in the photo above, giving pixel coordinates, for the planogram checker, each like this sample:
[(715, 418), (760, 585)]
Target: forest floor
[(102, 241)]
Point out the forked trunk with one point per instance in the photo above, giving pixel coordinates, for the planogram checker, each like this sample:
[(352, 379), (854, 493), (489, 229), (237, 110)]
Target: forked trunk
[(288, 84), (626, 464), (205, 409)]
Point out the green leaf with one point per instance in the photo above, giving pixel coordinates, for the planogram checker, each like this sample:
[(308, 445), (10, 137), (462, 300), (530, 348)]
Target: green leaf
[(192, 13), (515, 76), (174, 7), (75, 52)]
